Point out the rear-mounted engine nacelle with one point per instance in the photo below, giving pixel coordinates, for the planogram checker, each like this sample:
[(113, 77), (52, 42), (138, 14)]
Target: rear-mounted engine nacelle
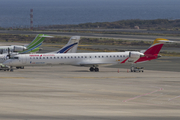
[(135, 55), (19, 48)]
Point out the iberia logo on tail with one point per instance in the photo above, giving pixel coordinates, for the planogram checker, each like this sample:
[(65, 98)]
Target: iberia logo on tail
[(153, 51)]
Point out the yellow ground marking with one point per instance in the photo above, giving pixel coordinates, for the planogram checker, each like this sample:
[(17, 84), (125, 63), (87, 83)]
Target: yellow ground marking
[(110, 77), (13, 77), (98, 77), (163, 61)]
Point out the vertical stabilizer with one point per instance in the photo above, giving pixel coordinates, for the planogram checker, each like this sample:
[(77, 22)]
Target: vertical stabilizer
[(153, 51), (71, 46), (34, 45), (156, 46)]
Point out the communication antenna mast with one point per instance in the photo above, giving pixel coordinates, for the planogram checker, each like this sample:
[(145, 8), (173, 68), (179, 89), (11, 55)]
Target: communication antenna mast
[(31, 19)]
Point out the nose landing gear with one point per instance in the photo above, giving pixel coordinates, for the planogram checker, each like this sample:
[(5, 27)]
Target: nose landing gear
[(11, 69)]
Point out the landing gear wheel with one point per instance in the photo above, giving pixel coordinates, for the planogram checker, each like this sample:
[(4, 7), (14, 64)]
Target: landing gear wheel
[(96, 69), (91, 69)]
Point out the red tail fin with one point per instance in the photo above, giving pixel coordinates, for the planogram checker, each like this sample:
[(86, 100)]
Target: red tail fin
[(153, 51)]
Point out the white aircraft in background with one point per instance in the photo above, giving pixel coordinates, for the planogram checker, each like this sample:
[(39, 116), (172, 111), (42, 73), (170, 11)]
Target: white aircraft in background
[(70, 47), (30, 48), (21, 49), (92, 60)]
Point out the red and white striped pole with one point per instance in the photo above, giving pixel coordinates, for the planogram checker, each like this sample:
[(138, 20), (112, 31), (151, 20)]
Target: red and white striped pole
[(31, 19)]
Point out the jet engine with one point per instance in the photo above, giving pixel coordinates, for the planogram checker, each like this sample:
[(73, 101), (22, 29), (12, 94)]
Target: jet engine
[(135, 55), (19, 48)]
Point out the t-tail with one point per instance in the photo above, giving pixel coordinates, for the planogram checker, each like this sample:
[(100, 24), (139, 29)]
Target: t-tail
[(153, 51), (70, 47), (35, 44)]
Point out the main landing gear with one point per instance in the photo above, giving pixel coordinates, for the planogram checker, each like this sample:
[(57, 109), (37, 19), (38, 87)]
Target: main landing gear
[(94, 69), (20, 67)]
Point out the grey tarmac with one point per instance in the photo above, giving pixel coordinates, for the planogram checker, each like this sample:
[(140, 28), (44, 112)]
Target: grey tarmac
[(74, 93)]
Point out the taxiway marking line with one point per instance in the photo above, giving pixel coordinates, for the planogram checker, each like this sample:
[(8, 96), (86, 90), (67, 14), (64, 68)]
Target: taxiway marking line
[(143, 95), (174, 98)]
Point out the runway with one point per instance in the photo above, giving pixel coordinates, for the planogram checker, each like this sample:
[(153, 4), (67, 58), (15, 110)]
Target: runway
[(74, 93), (115, 36)]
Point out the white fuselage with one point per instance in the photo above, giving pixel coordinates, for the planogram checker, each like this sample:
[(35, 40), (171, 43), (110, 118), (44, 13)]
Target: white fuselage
[(81, 59)]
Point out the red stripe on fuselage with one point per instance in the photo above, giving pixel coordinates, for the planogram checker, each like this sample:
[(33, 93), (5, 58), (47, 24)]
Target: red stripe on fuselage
[(125, 60)]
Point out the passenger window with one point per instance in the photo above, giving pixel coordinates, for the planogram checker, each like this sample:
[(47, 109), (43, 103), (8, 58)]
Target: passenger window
[(78, 57), (110, 55), (62, 57), (43, 57), (117, 55), (89, 56), (54, 57), (50, 57), (74, 56), (33, 57), (47, 57), (95, 56), (81, 56), (107, 56), (85, 57), (123, 55), (114, 56), (71, 56), (36, 57), (102, 56), (99, 56)]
